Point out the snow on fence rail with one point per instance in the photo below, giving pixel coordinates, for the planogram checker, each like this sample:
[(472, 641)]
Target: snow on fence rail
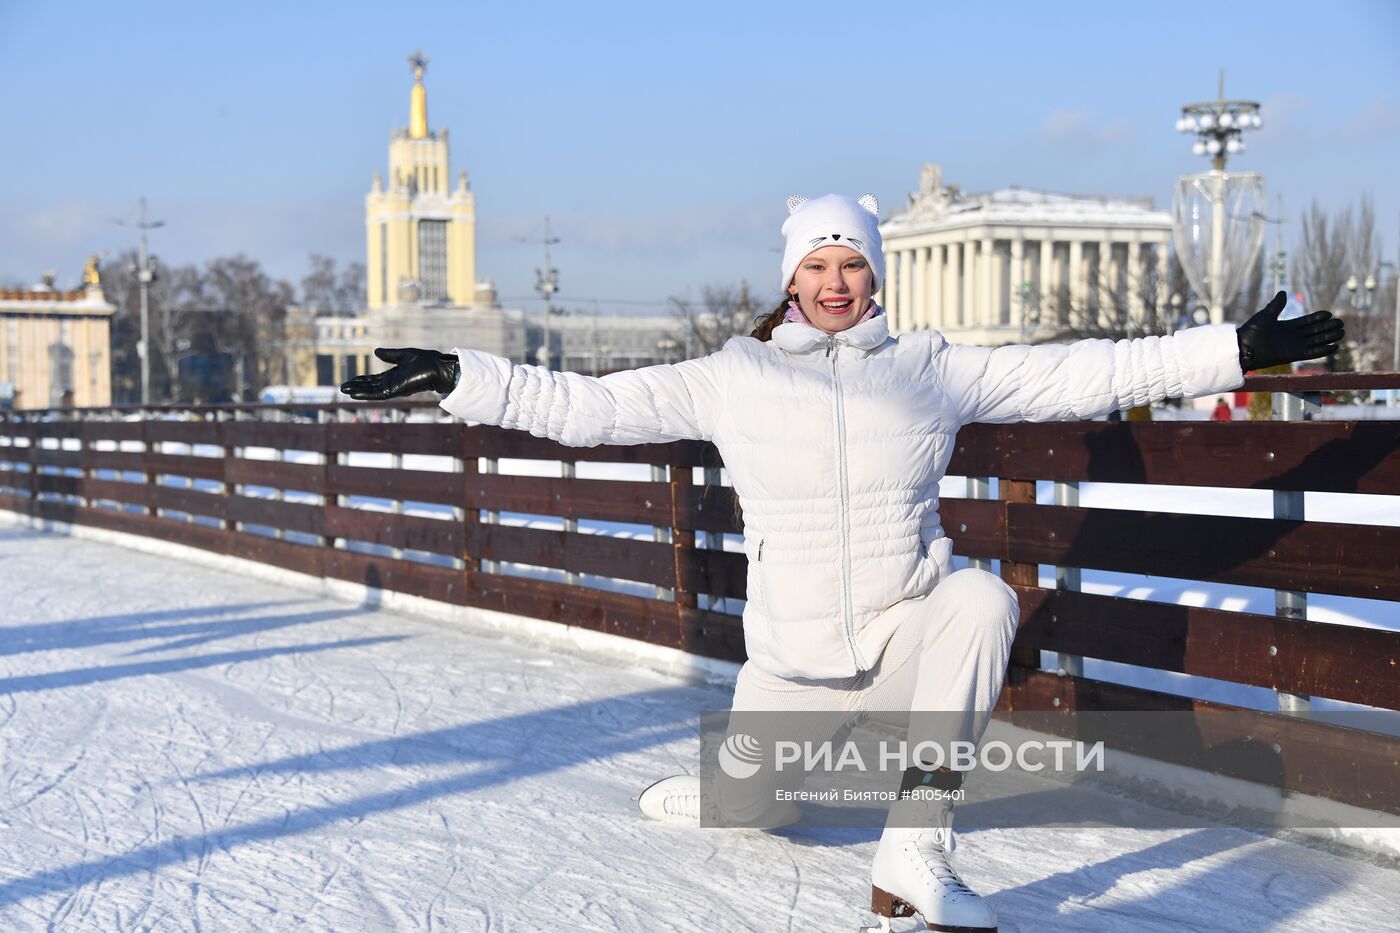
[(291, 486)]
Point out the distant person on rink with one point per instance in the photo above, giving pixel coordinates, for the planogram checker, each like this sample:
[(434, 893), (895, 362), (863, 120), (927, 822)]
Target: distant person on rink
[(1222, 411), (835, 433)]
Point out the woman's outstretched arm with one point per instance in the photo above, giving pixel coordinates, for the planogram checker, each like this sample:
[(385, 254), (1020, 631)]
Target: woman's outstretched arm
[(1090, 378), (653, 404)]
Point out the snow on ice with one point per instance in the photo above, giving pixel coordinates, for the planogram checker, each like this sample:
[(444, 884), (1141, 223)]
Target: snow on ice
[(185, 747)]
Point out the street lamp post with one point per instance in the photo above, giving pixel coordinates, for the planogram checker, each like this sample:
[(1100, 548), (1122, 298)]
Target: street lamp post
[(1361, 305), (546, 283), (666, 348), (1217, 251), (1367, 287), (1179, 318), (145, 269)]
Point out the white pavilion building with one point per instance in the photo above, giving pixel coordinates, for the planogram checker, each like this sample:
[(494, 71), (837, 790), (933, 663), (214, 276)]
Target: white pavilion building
[(1014, 264)]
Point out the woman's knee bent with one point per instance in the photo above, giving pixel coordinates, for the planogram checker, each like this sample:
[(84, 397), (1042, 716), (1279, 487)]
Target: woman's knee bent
[(982, 600)]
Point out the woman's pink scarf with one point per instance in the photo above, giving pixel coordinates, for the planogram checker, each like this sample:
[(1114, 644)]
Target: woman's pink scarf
[(794, 313)]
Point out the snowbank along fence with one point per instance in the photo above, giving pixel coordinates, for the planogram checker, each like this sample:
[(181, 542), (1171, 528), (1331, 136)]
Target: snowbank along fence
[(394, 497)]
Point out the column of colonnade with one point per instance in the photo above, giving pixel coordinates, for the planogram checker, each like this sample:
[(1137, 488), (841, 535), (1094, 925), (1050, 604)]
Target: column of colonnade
[(982, 313), (887, 288), (1017, 298), (916, 288), (967, 312), (905, 298), (1162, 284), (1076, 274), (1135, 277), (1106, 279), (1049, 280), (939, 256), (883, 295)]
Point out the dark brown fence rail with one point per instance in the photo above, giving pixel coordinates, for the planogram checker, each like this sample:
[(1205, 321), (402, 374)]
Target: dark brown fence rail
[(434, 529)]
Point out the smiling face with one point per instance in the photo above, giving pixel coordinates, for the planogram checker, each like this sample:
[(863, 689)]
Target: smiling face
[(833, 286)]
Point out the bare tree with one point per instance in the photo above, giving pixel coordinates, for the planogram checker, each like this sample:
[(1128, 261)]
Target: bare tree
[(251, 327), (1319, 267), (318, 289), (331, 292), (723, 311), (1136, 304), (1384, 332), (1332, 248), (172, 292), (351, 296), (1369, 326), (206, 325), (1250, 297), (181, 300)]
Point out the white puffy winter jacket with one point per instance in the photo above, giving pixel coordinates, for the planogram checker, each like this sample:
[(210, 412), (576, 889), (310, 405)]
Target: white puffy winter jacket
[(835, 444)]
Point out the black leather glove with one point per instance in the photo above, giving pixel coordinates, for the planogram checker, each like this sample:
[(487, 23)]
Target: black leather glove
[(416, 371), (1266, 341)]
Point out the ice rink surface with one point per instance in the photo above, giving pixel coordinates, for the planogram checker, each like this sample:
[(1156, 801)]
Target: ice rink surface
[(182, 748)]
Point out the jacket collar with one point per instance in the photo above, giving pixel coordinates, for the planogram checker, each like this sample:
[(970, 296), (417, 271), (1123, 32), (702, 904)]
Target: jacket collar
[(797, 337)]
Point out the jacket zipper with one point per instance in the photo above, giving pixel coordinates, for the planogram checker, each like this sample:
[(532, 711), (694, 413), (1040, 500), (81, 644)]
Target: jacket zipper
[(763, 596), (831, 345)]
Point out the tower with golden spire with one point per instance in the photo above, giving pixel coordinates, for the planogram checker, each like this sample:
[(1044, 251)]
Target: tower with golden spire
[(420, 235)]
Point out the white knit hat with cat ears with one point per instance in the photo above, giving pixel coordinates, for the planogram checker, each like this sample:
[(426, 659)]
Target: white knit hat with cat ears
[(833, 220)]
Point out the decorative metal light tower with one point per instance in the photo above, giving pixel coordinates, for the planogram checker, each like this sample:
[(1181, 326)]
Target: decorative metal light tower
[(1217, 216)]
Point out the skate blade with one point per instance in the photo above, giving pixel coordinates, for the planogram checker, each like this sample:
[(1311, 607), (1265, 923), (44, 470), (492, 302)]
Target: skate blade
[(887, 905)]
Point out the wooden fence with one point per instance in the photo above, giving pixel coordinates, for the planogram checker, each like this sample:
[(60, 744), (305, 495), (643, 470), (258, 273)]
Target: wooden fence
[(113, 469)]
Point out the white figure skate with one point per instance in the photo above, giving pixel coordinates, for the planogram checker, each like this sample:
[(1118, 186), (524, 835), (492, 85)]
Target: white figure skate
[(677, 799), (911, 874)]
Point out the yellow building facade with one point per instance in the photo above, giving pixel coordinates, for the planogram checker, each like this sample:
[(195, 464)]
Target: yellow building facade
[(420, 232), (55, 346)]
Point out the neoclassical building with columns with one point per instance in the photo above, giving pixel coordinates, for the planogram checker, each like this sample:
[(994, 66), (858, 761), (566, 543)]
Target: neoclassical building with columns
[(1016, 265)]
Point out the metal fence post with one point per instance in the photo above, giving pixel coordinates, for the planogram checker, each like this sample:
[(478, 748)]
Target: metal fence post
[(329, 459), (492, 467), (1289, 504), (713, 540), (145, 421), (229, 452), (979, 487), (396, 416), (459, 512), (661, 474), (279, 455), (84, 465), (1068, 578), (34, 444), (568, 470)]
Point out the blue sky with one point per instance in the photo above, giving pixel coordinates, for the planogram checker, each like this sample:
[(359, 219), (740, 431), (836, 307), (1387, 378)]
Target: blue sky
[(661, 138)]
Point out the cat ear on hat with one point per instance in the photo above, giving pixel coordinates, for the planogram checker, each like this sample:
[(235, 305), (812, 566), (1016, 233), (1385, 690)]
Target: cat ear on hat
[(869, 202), (796, 201)]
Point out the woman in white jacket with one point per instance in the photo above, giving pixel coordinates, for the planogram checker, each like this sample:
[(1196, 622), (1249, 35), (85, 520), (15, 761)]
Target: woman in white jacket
[(835, 435)]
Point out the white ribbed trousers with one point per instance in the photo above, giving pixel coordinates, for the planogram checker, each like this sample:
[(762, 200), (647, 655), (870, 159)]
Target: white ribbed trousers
[(948, 653)]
